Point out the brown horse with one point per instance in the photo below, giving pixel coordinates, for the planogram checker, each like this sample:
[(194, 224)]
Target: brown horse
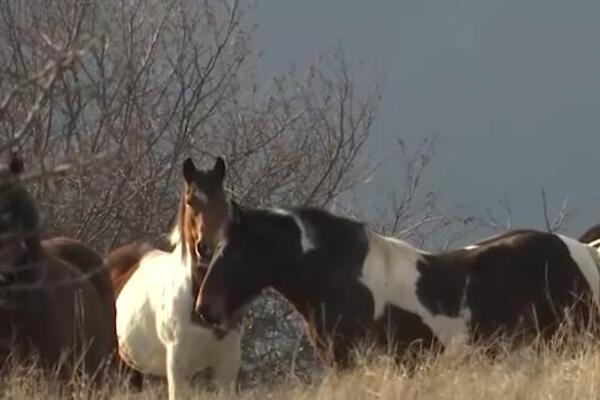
[(55, 297)]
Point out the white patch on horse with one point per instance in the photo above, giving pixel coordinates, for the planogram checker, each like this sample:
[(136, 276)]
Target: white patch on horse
[(390, 272), (280, 211), (471, 247), (305, 240), (595, 244), (156, 334), (219, 249), (580, 253)]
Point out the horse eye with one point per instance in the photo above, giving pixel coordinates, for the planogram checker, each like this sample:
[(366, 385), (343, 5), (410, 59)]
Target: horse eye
[(196, 203)]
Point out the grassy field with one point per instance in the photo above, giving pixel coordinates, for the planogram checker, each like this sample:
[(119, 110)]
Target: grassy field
[(569, 371)]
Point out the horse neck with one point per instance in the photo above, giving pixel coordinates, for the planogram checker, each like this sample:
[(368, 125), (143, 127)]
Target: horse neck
[(279, 261), (33, 268), (24, 209), (296, 288)]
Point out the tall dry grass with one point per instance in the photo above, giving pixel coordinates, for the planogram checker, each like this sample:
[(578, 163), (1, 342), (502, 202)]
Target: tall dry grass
[(568, 368)]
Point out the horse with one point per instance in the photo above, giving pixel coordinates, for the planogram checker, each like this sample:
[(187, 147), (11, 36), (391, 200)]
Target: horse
[(55, 297), (351, 284), (156, 325)]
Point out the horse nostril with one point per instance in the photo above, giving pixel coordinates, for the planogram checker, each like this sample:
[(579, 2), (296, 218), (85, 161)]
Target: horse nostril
[(205, 313)]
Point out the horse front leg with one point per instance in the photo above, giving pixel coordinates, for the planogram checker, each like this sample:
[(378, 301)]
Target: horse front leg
[(177, 375), (227, 368)]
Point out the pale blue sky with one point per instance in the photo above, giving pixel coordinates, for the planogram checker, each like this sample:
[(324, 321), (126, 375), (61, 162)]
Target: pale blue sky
[(511, 87)]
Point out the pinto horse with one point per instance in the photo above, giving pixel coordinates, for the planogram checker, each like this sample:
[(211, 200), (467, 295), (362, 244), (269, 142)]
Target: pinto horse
[(55, 298), (156, 324), (351, 284)]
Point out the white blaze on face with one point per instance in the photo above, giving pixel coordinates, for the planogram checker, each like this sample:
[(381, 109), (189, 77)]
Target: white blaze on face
[(390, 272), (220, 249), (581, 254)]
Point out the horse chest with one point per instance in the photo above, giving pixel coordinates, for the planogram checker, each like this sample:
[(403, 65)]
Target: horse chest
[(153, 310)]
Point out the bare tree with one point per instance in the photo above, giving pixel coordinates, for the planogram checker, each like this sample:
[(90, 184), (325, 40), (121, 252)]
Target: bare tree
[(163, 80), (501, 220), (142, 84), (561, 218)]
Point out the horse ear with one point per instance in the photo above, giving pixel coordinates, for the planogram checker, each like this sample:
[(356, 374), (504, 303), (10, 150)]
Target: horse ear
[(189, 170), (219, 169), (237, 215), (15, 164)]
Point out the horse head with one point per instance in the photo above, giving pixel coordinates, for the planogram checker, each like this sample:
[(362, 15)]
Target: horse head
[(19, 221), (203, 209), (238, 271), (202, 212)]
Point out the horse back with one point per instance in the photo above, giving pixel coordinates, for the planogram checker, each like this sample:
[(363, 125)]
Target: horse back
[(123, 262), (526, 276), (521, 281), (87, 261)]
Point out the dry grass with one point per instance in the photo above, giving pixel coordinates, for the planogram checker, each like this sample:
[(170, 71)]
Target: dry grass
[(565, 371)]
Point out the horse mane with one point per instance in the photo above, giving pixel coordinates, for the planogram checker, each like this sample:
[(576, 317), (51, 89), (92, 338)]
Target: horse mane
[(174, 237), (182, 234)]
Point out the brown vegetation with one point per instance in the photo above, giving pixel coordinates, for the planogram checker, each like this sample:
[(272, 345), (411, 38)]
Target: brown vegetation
[(549, 371)]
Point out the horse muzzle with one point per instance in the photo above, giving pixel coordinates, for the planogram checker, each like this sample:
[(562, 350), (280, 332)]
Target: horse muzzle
[(208, 315)]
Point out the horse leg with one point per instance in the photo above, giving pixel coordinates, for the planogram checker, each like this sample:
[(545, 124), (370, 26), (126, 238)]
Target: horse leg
[(177, 376), (227, 368), (132, 377)]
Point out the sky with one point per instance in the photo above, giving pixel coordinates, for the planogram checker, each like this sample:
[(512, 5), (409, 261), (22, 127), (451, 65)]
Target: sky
[(511, 89)]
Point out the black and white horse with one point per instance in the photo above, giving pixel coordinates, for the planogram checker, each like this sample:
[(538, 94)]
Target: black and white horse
[(351, 284)]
